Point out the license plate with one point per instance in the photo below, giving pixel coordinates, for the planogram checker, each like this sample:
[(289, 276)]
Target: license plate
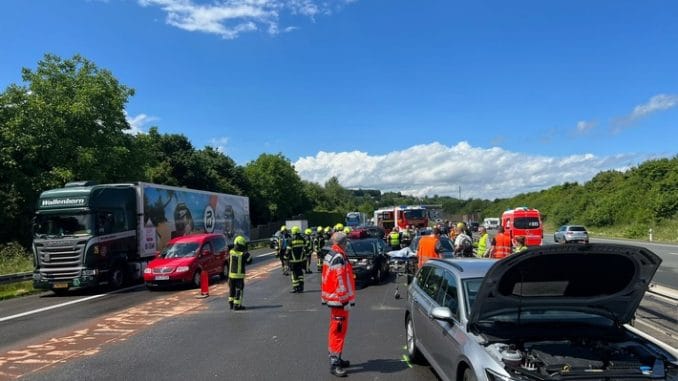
[(60, 285), (162, 277)]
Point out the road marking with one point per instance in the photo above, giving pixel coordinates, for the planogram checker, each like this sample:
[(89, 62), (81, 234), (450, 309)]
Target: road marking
[(672, 253), (265, 255), (6, 318)]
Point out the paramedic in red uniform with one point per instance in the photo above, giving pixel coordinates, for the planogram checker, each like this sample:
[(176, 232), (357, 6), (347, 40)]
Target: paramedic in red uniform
[(338, 292)]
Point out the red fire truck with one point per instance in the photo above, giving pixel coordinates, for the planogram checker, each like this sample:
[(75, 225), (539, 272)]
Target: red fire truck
[(523, 221), (401, 216)]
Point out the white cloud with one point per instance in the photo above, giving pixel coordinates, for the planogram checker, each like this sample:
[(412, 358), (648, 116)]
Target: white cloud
[(657, 103), (230, 18), (434, 168), (138, 122), (219, 144), (584, 127)]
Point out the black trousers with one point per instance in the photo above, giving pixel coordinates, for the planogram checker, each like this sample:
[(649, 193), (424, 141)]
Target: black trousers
[(298, 274), (236, 288)]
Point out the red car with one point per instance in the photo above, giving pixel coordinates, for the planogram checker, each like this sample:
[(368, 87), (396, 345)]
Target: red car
[(185, 258)]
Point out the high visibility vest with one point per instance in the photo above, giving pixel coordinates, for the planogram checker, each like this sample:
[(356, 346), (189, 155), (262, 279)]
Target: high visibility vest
[(519, 249), (297, 249), (236, 265), (427, 249), (502, 247), (483, 244), (338, 281), (394, 239)]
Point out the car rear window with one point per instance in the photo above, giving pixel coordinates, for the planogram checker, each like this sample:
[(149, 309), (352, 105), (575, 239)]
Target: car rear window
[(577, 229), (526, 223)]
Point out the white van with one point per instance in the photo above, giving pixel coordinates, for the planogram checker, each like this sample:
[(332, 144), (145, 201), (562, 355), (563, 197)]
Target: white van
[(491, 223)]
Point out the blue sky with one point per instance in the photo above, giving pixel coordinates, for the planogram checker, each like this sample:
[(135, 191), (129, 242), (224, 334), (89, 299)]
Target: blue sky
[(498, 97)]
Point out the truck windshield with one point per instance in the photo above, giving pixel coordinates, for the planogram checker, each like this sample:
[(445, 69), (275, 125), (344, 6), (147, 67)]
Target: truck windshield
[(526, 223), (179, 250), (60, 224), (415, 214)]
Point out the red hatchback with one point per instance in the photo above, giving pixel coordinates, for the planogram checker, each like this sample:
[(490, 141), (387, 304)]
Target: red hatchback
[(185, 258)]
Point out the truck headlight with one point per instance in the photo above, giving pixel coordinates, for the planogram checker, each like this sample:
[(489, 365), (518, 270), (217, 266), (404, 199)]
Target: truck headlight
[(182, 269), (91, 272)]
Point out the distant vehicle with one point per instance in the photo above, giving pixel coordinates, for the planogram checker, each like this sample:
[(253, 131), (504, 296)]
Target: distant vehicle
[(473, 225), (401, 216), (368, 258), (88, 234), (184, 259), (550, 313), (367, 231), (523, 221), (355, 219), (411, 250), (491, 223), (571, 234)]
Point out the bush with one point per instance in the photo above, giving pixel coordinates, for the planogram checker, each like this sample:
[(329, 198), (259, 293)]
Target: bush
[(14, 259)]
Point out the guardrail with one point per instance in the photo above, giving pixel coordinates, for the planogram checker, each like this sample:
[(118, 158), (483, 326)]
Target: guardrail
[(14, 278), (21, 277)]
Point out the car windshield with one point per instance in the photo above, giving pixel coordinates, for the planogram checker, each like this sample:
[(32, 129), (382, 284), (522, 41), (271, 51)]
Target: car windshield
[(470, 287), (363, 248), (60, 224), (180, 250), (526, 223)]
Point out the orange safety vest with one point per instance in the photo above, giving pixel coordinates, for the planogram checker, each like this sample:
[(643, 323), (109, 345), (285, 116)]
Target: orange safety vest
[(338, 281), (502, 247), (427, 249)]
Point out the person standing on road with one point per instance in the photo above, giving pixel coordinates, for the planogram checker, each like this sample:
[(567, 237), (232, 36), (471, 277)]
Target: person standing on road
[(519, 244), (394, 239), (297, 260), (319, 244), (283, 241), (338, 293), (463, 244), (239, 257), (484, 244), (429, 247), (308, 249), (501, 244)]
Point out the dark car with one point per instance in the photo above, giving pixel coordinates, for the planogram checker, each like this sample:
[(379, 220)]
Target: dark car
[(368, 258), (367, 231)]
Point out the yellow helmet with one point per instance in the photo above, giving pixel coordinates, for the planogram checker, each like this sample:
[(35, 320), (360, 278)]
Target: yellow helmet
[(283, 228), (327, 229), (308, 231), (338, 227), (347, 230), (240, 240), (296, 229), (319, 229)]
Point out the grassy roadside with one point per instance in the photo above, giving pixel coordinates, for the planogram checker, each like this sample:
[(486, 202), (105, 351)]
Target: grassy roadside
[(666, 232), (14, 259)]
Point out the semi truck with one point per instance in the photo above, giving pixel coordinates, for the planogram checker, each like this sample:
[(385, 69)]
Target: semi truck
[(87, 234)]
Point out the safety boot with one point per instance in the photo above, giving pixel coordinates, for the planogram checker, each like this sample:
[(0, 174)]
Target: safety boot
[(336, 368)]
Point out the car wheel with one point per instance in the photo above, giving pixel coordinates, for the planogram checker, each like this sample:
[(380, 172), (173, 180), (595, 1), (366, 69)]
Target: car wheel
[(116, 278), (196, 279), (224, 272), (151, 288), (469, 375), (412, 351)]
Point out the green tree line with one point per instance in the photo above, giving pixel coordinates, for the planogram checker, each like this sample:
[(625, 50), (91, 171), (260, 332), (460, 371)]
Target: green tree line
[(66, 121)]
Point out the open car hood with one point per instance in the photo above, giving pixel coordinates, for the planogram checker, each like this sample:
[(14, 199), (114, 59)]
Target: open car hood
[(603, 279)]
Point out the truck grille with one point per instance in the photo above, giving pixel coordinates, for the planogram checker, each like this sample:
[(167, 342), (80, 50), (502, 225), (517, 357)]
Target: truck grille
[(60, 259)]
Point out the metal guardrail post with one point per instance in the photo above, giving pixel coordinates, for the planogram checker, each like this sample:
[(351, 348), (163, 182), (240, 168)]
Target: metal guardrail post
[(14, 278)]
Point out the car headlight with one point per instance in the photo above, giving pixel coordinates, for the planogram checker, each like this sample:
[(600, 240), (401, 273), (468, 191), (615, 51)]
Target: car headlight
[(148, 270), (182, 269), (494, 376)]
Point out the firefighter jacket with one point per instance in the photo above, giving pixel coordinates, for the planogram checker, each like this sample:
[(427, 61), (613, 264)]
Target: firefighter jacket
[(296, 249), (394, 239), (338, 281), (308, 246), (236, 264)]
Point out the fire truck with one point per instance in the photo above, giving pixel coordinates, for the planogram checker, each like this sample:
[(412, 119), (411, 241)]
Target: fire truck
[(401, 216), (523, 221)]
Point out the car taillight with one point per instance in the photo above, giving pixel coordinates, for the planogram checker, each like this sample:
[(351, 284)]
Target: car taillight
[(569, 233)]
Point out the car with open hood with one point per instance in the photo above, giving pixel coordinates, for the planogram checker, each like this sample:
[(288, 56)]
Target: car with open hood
[(551, 313)]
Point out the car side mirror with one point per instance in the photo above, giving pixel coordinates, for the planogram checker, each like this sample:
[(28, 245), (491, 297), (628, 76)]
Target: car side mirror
[(442, 313)]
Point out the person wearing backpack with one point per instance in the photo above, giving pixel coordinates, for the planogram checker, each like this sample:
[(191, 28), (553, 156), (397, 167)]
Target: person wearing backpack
[(463, 244)]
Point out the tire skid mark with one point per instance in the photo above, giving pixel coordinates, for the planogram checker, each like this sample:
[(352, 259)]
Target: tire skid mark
[(89, 339)]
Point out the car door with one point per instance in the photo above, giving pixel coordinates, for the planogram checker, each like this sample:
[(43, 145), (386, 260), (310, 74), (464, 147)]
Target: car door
[(207, 260), (447, 337), (425, 326), (560, 234)]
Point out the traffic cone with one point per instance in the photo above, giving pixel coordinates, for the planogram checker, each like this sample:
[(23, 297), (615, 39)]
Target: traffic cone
[(204, 285)]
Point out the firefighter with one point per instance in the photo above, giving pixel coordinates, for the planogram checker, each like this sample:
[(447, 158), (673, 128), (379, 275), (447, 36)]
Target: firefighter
[(296, 259), (347, 230), (338, 293), (239, 257), (308, 249), (283, 242), (319, 243), (394, 239), (339, 227), (406, 236)]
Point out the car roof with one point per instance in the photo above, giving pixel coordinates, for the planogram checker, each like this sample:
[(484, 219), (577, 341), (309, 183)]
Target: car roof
[(467, 267), (193, 237)]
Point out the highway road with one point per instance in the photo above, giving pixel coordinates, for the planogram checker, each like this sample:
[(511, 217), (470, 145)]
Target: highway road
[(172, 335)]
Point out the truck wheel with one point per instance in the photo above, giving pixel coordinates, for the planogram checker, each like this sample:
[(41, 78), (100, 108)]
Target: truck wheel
[(117, 277)]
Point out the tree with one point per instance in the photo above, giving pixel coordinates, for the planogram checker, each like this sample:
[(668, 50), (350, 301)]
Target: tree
[(67, 122)]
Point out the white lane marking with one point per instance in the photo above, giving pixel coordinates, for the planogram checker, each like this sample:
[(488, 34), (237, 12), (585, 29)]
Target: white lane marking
[(672, 253), (51, 307), (266, 254)]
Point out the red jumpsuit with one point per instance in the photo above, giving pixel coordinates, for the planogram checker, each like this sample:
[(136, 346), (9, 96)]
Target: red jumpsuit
[(338, 290)]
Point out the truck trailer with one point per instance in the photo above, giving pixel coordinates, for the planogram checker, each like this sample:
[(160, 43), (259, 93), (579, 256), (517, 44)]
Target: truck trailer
[(88, 234)]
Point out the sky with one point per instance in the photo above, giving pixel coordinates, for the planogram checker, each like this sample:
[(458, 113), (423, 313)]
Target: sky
[(493, 98)]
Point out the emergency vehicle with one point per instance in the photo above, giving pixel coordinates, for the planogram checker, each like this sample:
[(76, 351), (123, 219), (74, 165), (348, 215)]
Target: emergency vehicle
[(523, 221), (401, 216)]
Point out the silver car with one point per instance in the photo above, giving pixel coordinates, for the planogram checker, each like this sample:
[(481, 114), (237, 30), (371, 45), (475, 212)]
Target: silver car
[(550, 313), (571, 234)]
